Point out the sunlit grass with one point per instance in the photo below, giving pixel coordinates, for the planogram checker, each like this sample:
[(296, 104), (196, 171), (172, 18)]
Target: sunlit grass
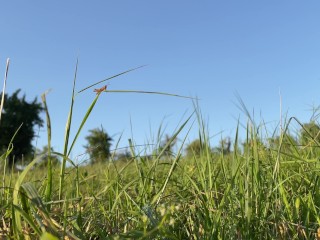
[(255, 192)]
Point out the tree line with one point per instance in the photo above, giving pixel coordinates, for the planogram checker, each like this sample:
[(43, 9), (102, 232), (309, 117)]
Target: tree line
[(20, 117)]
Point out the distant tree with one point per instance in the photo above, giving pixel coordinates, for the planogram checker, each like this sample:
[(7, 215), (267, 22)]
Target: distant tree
[(224, 146), (167, 145), (194, 148), (251, 145), (98, 147), (310, 138), (123, 156), (44, 161), (288, 143), (309, 133), (17, 111)]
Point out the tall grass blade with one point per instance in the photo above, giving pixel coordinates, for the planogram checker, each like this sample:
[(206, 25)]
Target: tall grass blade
[(109, 78), (83, 122), (7, 153), (4, 87), (244, 109), (172, 168), (175, 135), (67, 133), (42, 215), (148, 92), (48, 191), (15, 199), (28, 218)]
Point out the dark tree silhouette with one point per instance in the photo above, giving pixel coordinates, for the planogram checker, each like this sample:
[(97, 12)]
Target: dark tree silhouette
[(98, 147), (17, 111)]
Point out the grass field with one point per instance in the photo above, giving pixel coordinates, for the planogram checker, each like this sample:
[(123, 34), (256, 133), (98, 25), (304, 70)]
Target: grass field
[(254, 192)]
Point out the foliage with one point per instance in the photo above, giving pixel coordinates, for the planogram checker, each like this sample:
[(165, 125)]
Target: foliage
[(235, 196), (98, 147), (224, 146), (37, 204), (310, 133), (194, 148), (167, 145), (255, 194), (43, 162), (287, 144), (310, 138), (17, 111), (123, 156), (249, 144)]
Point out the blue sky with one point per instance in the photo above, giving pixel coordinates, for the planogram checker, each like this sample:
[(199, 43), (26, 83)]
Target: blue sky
[(209, 49)]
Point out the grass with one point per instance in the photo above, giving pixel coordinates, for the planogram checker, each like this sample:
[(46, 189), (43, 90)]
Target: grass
[(254, 192)]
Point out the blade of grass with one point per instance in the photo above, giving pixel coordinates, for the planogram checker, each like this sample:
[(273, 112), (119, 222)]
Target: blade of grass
[(66, 138), (243, 108), (4, 87), (28, 218), (15, 199), (169, 143), (173, 166), (48, 191), (48, 236), (109, 78), (66, 158), (7, 153), (148, 92), (41, 215), (84, 121)]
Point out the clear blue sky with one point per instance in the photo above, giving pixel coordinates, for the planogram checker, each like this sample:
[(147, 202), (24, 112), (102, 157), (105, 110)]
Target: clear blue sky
[(209, 49)]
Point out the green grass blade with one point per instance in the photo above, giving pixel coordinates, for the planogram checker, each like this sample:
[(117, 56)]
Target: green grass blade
[(148, 92), (67, 133), (109, 78), (66, 158), (84, 121), (4, 87), (48, 236), (5, 156), (16, 190), (28, 218), (173, 166), (169, 143), (37, 203), (48, 191)]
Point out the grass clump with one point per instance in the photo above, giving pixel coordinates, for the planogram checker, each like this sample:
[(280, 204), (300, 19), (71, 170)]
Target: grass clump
[(255, 191)]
